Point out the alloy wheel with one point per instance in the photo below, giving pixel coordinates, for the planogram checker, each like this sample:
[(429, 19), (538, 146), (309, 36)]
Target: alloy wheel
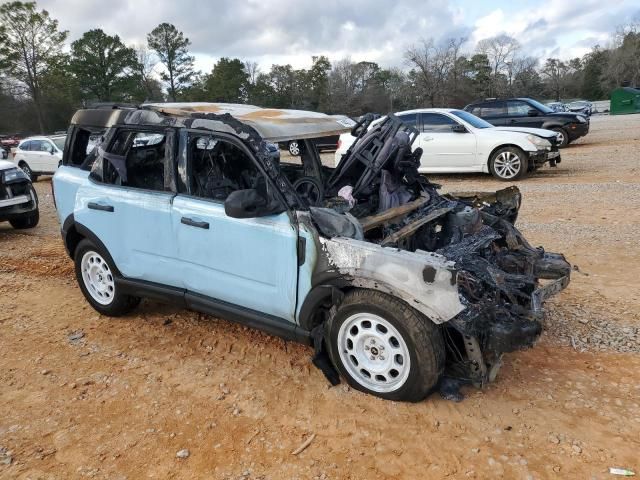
[(294, 148), (507, 165)]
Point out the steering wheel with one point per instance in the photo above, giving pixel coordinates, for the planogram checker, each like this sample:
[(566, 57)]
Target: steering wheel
[(310, 191)]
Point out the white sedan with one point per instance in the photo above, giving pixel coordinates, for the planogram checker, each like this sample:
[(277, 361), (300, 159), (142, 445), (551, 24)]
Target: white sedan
[(455, 141), (39, 155)]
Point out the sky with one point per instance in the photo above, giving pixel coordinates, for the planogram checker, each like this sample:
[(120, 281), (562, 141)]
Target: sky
[(292, 31)]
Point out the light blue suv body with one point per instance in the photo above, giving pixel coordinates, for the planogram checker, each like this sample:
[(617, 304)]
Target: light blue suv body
[(186, 203)]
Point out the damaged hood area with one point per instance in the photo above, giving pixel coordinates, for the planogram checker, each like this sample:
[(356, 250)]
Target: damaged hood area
[(457, 258)]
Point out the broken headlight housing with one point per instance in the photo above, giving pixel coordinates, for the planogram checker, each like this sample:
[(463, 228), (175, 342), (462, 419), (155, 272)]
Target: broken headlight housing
[(14, 175), (539, 142)]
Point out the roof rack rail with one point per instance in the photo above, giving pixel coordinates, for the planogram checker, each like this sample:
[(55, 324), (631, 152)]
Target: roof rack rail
[(111, 105)]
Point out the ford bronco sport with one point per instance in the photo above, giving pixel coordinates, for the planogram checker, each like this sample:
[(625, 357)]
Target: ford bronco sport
[(399, 289)]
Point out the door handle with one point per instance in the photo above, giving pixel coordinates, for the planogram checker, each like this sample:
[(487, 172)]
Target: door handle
[(99, 206), (513, 120), (194, 223)]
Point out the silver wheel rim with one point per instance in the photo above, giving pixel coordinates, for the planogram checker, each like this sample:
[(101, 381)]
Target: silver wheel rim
[(507, 164), (560, 138), (373, 352), (97, 278), (25, 168), (294, 149)]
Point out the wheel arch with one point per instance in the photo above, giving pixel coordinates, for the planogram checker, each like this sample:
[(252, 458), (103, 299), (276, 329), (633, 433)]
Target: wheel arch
[(501, 146), (332, 290), (73, 233)]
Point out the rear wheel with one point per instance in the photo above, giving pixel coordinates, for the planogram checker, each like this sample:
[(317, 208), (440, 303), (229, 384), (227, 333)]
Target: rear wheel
[(96, 278), (382, 346), (509, 163), (563, 138)]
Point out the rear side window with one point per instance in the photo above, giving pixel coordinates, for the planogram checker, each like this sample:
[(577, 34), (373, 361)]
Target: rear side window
[(83, 149), (137, 159), (410, 119), (492, 109), (26, 146), (436, 122)]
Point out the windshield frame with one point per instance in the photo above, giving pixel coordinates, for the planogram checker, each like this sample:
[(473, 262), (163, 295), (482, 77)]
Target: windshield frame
[(540, 106)]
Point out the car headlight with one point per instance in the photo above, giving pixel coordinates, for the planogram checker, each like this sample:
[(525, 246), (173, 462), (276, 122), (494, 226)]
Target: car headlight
[(581, 119), (14, 175), (539, 142)]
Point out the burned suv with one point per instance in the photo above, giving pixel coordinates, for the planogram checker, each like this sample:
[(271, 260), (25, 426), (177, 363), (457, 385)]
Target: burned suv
[(399, 289)]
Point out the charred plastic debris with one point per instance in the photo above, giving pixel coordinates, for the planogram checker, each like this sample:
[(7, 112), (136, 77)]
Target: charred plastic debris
[(376, 194)]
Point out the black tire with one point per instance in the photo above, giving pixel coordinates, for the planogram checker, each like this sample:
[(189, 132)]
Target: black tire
[(120, 304), (27, 170), (294, 148), (27, 221), (500, 156), (565, 136), (422, 337)]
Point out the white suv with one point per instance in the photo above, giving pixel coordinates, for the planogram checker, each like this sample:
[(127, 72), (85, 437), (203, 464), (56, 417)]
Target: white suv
[(455, 141), (40, 155)]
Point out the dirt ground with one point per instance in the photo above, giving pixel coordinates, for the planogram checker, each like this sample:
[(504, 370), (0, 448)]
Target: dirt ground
[(88, 396)]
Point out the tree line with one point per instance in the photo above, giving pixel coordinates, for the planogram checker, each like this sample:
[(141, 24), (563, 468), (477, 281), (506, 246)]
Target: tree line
[(41, 84)]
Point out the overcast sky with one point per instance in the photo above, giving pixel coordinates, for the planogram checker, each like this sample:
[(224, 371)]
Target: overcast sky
[(291, 31)]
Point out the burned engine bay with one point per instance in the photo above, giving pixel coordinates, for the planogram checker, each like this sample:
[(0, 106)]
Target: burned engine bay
[(376, 194)]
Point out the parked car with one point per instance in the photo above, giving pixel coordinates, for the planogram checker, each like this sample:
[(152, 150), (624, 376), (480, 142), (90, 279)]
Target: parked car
[(18, 198), (581, 106), (7, 142), (329, 143), (557, 107), (526, 112), (455, 141), (39, 155), (392, 283)]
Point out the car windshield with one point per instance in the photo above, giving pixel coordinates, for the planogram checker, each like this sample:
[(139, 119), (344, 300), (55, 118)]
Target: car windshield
[(471, 119), (59, 142), (539, 106)]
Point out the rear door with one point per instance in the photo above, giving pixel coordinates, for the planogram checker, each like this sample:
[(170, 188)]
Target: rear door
[(444, 149), (249, 262), (127, 203), (494, 112)]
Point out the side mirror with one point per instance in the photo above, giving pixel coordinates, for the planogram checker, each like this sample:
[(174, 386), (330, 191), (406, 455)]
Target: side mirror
[(532, 112), (250, 204), (457, 128)]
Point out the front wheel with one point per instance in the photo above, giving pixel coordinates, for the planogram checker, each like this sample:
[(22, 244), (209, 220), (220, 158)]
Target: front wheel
[(27, 221), (27, 170), (96, 278), (382, 346), (563, 138), (509, 163)]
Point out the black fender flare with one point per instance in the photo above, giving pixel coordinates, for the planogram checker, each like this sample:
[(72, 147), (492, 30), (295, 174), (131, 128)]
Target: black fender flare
[(73, 233)]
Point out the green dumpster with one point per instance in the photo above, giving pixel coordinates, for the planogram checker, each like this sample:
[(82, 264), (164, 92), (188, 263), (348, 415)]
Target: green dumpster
[(625, 100)]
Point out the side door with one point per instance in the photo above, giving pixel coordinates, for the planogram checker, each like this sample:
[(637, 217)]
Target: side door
[(127, 200), (248, 262), (518, 115), (48, 160), (443, 148), (33, 155)]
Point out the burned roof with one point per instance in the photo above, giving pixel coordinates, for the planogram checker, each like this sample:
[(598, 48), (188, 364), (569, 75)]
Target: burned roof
[(271, 124)]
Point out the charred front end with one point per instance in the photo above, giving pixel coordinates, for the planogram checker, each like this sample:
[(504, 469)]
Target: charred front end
[(499, 279)]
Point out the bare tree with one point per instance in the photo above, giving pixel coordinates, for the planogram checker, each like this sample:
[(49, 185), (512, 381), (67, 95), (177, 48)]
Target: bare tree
[(253, 70), (432, 64), (500, 50)]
